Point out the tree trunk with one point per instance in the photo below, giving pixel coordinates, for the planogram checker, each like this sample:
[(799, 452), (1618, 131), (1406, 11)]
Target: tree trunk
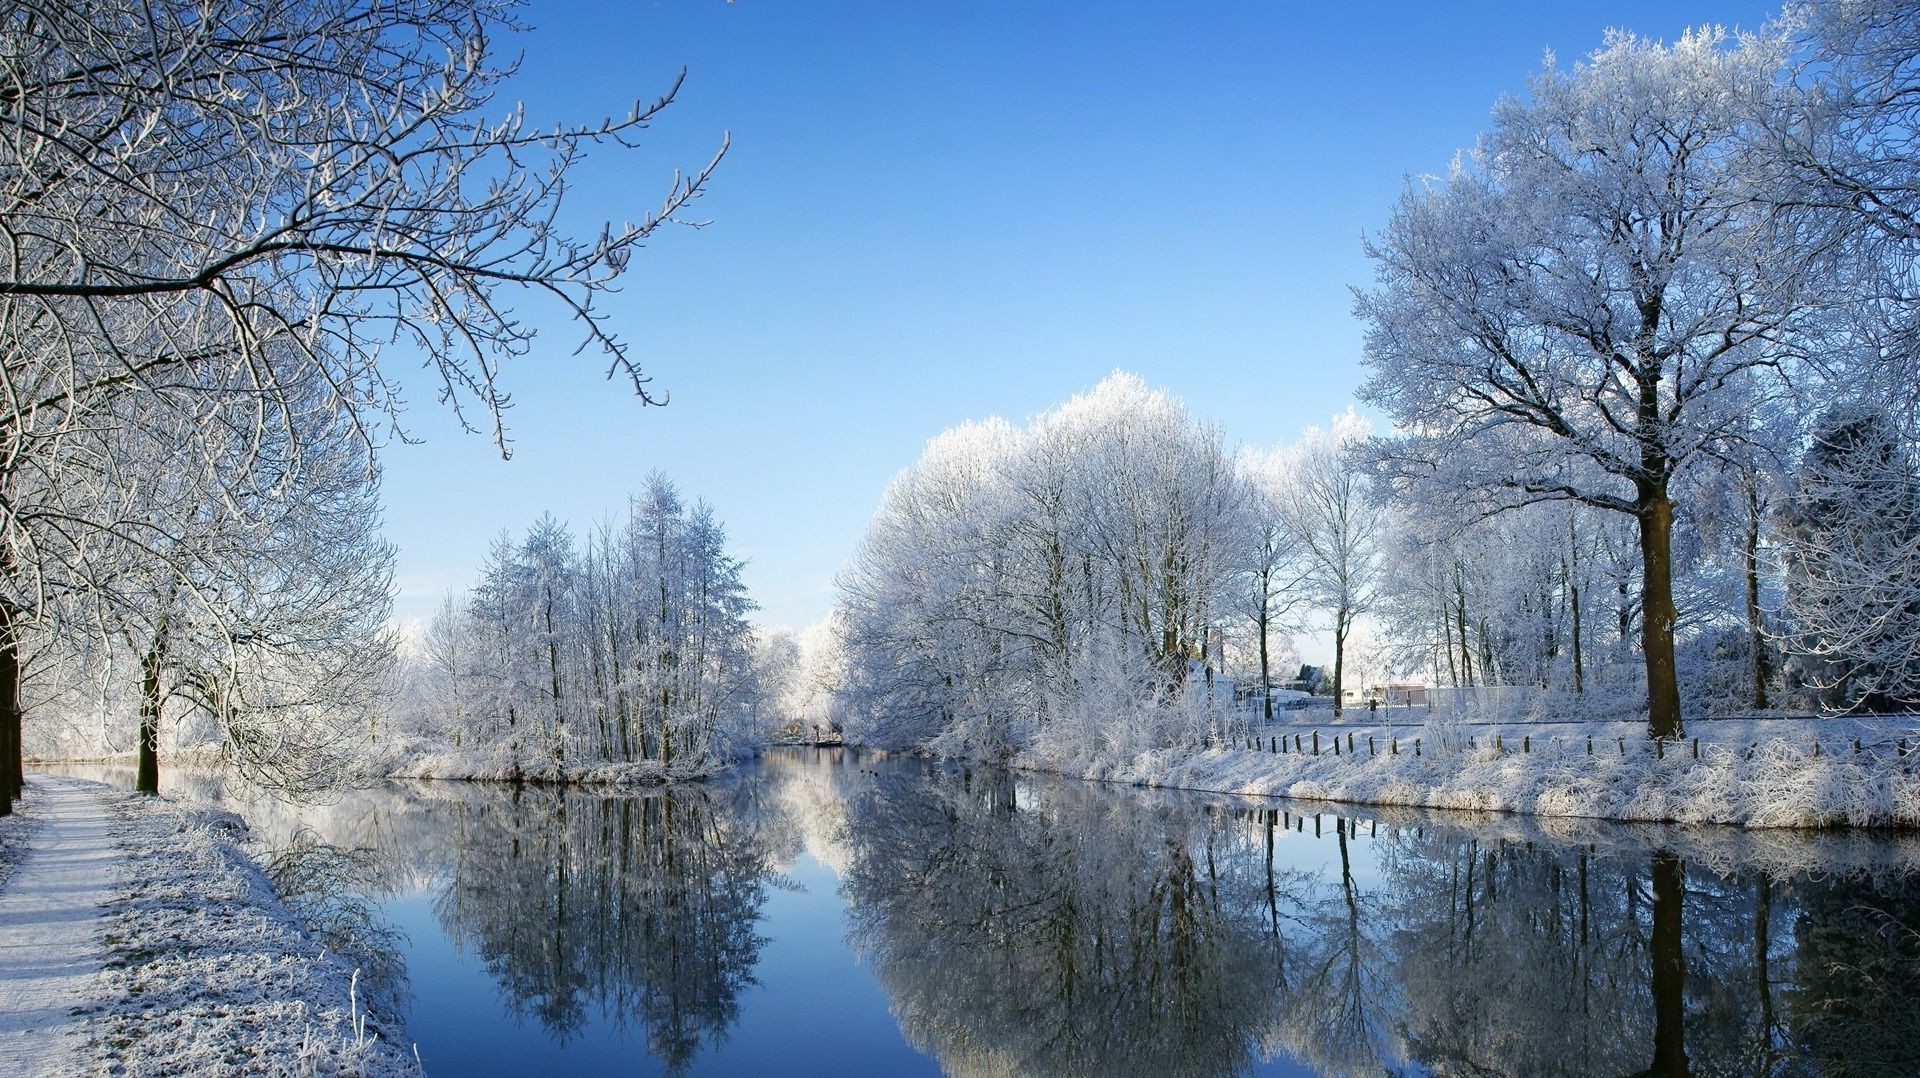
[(1341, 622), (1579, 673), (553, 679), (1756, 620), (1266, 673), (12, 772), (147, 773), (1657, 613), (1573, 606)]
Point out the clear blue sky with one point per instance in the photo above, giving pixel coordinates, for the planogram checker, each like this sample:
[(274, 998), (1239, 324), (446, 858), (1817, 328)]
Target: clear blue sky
[(936, 212)]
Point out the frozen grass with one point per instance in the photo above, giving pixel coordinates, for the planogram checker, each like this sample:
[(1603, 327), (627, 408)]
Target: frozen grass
[(1754, 773), (16, 835), (209, 973)]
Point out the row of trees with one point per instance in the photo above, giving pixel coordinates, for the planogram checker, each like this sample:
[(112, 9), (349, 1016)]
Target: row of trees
[(219, 221), (1111, 551), (631, 647), (1649, 354), (242, 600)]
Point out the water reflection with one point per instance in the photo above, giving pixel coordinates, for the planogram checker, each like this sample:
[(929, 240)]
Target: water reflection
[(333, 889), (1096, 937), (641, 909), (1018, 925), (1049, 928)]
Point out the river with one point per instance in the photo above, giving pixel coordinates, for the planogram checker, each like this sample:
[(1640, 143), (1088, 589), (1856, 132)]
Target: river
[(826, 912)]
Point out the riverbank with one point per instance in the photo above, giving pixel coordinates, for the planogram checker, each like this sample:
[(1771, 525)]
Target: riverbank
[(138, 938), (1748, 774), (462, 766)]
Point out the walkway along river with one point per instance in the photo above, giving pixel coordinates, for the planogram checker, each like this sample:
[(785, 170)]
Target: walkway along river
[(827, 912)]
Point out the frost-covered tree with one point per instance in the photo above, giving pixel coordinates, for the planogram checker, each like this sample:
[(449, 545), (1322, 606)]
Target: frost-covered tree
[(798, 673), (1014, 576), (1273, 564), (1853, 562), (1585, 305), (630, 648), (269, 620), (1847, 175), (262, 196), (1327, 504), (222, 572)]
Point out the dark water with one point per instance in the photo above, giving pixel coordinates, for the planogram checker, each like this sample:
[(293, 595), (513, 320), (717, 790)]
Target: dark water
[(823, 913)]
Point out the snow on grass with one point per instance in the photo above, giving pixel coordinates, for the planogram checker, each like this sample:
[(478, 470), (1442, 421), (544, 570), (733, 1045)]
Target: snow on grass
[(480, 767), (16, 835), (1781, 853), (210, 974), (497, 764), (1756, 774)]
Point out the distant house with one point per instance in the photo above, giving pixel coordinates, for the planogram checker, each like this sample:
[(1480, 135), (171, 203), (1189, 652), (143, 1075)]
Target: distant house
[(1205, 683), (1311, 680)]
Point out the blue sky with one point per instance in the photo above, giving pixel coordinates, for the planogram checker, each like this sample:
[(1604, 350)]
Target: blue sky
[(937, 212)]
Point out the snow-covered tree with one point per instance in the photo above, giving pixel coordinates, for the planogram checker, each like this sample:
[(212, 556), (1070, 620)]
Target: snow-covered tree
[(1272, 565), (632, 647), (1853, 562), (1585, 305), (261, 197), (1327, 504), (1014, 575)]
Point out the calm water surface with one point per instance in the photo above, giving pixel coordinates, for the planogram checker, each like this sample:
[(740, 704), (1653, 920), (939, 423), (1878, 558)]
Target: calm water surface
[(827, 913)]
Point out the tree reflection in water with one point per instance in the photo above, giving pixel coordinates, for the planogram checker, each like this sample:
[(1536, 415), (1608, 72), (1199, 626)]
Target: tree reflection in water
[(1025, 926), (332, 888), (1083, 932), (640, 908)]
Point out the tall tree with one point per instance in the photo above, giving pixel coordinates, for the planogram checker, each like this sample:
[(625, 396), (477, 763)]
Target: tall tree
[(1572, 312), (1327, 503), (1271, 562), (1013, 576)]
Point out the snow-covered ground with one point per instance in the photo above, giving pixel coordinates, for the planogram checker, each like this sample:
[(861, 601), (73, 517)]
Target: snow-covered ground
[(496, 764), (16, 832), (190, 964), (50, 930), (1754, 772)]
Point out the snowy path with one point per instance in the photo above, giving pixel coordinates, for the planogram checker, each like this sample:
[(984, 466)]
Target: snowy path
[(50, 929)]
